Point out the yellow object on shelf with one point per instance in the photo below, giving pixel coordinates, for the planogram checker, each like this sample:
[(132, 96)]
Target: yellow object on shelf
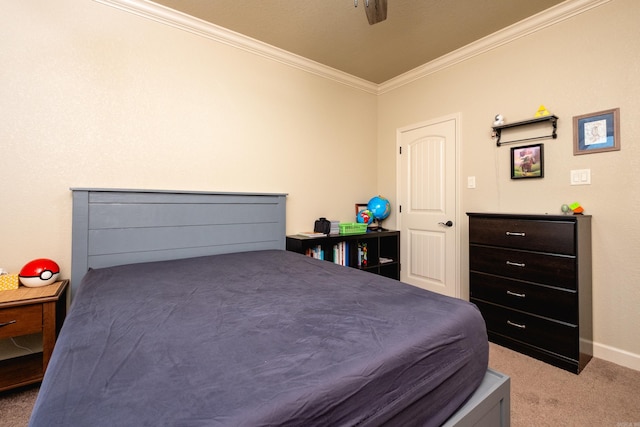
[(9, 282), (352, 228), (542, 112)]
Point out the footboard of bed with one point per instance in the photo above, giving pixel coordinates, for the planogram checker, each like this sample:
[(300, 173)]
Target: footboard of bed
[(488, 406)]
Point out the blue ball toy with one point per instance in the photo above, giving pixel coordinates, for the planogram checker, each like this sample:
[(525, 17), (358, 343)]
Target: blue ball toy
[(365, 216)]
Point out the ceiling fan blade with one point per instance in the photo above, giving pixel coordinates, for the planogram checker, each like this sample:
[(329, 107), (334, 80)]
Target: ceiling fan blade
[(376, 11)]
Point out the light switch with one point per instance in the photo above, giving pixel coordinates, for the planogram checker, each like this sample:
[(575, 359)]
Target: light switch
[(471, 182), (581, 177)]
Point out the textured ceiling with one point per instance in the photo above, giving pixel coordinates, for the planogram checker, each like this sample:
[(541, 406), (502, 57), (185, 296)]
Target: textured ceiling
[(337, 34)]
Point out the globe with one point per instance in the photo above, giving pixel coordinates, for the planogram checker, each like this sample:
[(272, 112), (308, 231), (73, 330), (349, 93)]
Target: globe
[(380, 207), (365, 216)]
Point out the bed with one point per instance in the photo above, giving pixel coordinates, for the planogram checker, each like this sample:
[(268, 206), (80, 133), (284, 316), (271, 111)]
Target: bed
[(188, 311)]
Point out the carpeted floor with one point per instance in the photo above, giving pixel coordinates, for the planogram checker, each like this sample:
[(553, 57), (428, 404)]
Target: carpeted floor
[(603, 395), (16, 406)]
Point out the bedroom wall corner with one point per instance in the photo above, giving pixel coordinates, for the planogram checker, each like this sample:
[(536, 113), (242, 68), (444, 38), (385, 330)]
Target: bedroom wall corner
[(580, 65)]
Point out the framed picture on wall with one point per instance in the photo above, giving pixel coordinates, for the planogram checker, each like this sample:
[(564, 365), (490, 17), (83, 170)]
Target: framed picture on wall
[(527, 161), (596, 132)]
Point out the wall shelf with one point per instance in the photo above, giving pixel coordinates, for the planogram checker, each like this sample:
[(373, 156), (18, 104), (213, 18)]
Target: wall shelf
[(551, 119)]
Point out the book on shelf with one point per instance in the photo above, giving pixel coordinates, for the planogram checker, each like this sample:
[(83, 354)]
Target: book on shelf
[(311, 234), (341, 253), (315, 252)]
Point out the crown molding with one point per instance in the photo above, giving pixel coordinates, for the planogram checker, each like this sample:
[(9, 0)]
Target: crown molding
[(535, 23), (182, 21)]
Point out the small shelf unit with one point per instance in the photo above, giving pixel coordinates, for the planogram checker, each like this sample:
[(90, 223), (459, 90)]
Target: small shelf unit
[(553, 120), (382, 247)]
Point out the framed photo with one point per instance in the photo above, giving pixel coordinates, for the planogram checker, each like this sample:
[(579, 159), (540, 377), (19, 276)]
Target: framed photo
[(527, 161), (360, 206), (596, 132)]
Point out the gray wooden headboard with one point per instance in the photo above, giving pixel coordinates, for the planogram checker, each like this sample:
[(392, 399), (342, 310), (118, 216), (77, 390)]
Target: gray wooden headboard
[(121, 226)]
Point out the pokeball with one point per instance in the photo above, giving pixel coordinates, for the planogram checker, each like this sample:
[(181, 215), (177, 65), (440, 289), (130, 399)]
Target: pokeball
[(39, 272)]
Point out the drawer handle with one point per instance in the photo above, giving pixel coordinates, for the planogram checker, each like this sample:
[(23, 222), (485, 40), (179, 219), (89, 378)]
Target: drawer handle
[(516, 294), (517, 325), (516, 264), (515, 233), (10, 322)]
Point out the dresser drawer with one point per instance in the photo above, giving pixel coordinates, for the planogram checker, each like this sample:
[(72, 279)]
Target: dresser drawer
[(544, 301), (532, 235), (553, 270), (546, 334), (21, 320)]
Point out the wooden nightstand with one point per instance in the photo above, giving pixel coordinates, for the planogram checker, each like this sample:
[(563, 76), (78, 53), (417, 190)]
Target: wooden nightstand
[(26, 311)]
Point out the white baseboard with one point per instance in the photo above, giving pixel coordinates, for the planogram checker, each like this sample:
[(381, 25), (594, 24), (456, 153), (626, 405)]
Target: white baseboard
[(617, 356)]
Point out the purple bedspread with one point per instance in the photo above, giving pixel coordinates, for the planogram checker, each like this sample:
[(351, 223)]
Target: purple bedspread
[(259, 339)]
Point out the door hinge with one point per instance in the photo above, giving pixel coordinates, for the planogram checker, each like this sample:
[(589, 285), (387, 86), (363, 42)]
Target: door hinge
[(400, 207), (400, 150)]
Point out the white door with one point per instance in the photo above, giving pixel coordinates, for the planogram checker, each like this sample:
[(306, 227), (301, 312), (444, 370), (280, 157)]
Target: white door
[(427, 158)]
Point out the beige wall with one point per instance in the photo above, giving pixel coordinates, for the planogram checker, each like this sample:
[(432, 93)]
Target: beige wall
[(585, 64), (92, 96)]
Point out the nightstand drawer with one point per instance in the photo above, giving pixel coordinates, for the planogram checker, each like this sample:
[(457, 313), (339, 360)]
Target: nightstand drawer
[(531, 235), (21, 320), (544, 301), (555, 270), (556, 337)]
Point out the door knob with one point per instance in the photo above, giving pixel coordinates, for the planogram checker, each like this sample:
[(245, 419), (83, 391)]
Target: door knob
[(448, 223)]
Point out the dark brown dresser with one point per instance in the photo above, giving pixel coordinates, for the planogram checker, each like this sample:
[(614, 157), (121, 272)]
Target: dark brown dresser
[(530, 276)]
